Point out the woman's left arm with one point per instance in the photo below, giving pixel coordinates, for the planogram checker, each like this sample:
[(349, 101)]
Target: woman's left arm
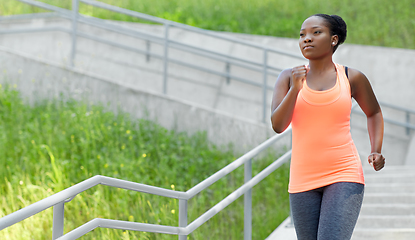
[(363, 93)]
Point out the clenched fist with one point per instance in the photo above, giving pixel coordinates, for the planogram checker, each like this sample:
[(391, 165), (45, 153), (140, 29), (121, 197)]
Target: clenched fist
[(376, 160), (298, 75)]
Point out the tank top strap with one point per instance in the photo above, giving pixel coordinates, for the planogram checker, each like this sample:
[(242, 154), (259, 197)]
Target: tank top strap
[(344, 80)]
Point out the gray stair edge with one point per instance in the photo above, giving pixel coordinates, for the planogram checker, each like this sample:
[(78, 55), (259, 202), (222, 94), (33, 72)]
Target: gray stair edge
[(285, 231), (384, 234)]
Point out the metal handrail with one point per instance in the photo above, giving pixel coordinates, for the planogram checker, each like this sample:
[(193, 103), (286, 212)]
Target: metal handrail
[(67, 13), (407, 111), (400, 108), (184, 26), (124, 225), (388, 105), (262, 67), (240, 191), (235, 164), (70, 192), (201, 51), (402, 124), (57, 200), (29, 16)]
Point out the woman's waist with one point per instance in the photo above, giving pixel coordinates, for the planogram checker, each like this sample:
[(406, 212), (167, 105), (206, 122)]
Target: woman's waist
[(330, 156), (320, 141)]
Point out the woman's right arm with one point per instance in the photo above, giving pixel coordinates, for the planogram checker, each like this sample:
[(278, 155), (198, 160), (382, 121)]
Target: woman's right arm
[(287, 87)]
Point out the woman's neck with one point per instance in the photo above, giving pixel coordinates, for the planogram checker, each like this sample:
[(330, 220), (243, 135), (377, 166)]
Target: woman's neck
[(321, 65)]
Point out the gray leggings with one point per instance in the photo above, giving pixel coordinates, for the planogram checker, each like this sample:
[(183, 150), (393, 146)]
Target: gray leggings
[(327, 213)]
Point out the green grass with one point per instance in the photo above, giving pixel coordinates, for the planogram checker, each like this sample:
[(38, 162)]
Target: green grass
[(51, 145), (370, 22)]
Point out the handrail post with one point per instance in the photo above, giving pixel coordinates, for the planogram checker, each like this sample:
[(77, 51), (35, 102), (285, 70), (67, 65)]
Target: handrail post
[(75, 12), (408, 120), (166, 56), (58, 219), (182, 216), (228, 73), (248, 203), (264, 86), (148, 50)]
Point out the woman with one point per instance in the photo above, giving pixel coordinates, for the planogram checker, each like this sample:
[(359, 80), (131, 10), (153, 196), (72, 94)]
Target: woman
[(326, 178)]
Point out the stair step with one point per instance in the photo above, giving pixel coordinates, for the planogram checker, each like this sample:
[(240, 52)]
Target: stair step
[(394, 221), (388, 209), (384, 198), (390, 170), (389, 188), (384, 234), (390, 178)]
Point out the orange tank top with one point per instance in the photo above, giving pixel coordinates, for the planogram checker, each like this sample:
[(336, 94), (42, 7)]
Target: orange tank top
[(323, 151)]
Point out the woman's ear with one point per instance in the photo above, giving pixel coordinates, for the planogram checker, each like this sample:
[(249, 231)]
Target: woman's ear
[(334, 40)]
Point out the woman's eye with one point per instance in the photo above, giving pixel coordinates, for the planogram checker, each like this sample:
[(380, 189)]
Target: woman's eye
[(317, 32), (301, 34)]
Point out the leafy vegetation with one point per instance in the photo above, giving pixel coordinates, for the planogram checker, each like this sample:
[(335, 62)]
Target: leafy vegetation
[(49, 146), (370, 22)]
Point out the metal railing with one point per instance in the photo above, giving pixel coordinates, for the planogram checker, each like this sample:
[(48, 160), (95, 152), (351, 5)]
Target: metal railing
[(263, 67), (58, 200), (406, 111)]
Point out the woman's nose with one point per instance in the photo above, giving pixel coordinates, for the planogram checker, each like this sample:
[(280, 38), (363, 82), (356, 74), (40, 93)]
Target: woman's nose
[(307, 39)]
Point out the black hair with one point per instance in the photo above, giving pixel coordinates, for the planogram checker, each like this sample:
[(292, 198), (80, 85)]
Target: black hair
[(337, 26)]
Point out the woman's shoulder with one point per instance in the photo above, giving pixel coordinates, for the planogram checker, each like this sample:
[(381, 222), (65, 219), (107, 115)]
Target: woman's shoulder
[(284, 77), (358, 80), (354, 74), (286, 72)]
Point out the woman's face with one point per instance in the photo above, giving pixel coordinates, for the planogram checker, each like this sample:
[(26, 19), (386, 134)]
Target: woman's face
[(316, 40)]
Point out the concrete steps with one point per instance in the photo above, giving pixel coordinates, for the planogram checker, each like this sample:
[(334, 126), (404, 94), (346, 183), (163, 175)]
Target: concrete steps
[(388, 209), (384, 234), (390, 187), (389, 221)]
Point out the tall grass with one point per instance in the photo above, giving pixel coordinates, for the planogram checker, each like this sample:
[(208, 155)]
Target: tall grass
[(370, 22), (52, 145)]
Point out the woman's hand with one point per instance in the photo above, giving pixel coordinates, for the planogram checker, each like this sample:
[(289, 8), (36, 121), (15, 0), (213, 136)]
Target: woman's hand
[(376, 160), (298, 75)]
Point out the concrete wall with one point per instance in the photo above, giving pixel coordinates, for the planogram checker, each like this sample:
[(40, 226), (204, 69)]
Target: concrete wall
[(134, 69), (38, 79), (410, 156)]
